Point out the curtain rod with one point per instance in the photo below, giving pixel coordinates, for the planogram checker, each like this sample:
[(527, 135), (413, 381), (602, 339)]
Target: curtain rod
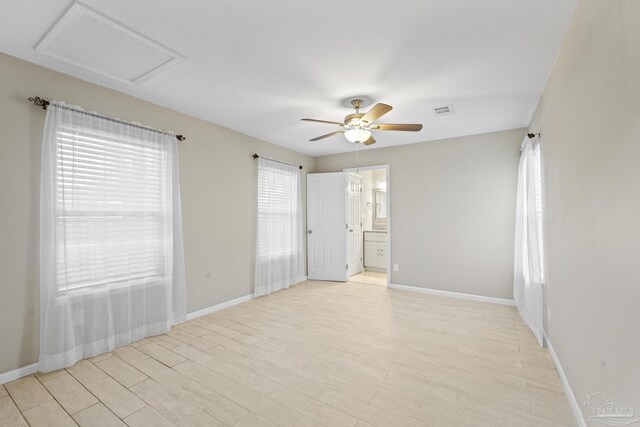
[(40, 102), (255, 156), (532, 135)]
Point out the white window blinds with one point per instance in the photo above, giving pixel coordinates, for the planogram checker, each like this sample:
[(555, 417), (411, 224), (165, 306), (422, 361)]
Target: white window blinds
[(277, 210), (109, 208)]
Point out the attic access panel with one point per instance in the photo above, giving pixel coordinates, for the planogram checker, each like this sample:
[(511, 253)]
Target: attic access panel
[(94, 42)]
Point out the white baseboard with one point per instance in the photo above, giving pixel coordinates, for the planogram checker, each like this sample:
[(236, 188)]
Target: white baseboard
[(218, 307), (226, 304), (450, 294), (32, 369), (575, 406), (18, 373)]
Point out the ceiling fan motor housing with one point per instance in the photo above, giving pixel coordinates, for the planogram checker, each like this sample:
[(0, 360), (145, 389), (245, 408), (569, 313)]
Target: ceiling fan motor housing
[(353, 119)]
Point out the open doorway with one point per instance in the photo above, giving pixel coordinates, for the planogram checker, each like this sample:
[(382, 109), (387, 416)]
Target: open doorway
[(368, 215)]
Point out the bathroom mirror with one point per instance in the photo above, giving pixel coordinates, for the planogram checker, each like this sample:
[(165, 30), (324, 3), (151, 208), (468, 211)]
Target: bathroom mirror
[(379, 204)]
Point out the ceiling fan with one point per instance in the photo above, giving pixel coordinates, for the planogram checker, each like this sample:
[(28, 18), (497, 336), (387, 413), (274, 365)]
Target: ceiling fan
[(358, 127)]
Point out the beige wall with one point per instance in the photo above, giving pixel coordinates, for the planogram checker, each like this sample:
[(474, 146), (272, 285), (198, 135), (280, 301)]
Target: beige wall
[(218, 196), (452, 210), (589, 118)]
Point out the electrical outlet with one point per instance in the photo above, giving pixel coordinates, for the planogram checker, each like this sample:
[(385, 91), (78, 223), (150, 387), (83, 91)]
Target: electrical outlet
[(395, 267)]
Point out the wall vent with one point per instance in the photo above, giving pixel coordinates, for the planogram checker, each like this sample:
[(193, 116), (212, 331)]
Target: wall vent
[(443, 111)]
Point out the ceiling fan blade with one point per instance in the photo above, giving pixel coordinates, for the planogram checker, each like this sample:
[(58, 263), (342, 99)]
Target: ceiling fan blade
[(370, 141), (376, 112), (323, 121), (326, 136), (405, 127)]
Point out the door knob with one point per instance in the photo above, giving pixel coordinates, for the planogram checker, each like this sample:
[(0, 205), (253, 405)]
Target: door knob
[(310, 231)]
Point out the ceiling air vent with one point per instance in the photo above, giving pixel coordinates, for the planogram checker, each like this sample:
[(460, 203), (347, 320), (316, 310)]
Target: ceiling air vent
[(443, 111)]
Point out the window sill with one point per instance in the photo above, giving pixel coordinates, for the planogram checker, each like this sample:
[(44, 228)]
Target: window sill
[(100, 290)]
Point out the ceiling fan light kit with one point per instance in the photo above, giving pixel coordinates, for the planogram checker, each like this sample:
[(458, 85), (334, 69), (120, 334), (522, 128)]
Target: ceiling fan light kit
[(358, 127), (357, 134)]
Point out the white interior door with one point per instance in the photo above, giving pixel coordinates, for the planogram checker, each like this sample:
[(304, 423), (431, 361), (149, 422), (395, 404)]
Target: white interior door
[(326, 226), (354, 223)]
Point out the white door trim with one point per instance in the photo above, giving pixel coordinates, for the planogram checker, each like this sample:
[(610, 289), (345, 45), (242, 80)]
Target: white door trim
[(358, 266), (388, 175)]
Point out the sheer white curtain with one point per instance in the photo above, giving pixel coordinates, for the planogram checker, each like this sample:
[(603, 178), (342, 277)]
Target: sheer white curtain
[(111, 251), (279, 242), (528, 263)]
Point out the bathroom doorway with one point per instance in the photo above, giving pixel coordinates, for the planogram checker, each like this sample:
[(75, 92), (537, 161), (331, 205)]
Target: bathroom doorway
[(369, 225)]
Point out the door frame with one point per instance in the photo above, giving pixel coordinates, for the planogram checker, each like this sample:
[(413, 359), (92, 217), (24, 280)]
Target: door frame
[(361, 262), (387, 169)]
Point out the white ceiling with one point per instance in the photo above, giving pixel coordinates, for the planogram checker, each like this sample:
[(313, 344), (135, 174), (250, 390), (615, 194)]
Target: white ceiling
[(260, 66)]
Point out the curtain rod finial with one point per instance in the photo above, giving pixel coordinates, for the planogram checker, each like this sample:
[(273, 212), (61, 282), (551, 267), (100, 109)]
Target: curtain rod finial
[(40, 102)]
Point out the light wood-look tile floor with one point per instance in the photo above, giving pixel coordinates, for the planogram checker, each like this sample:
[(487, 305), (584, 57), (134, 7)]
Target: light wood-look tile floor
[(370, 278), (318, 354)]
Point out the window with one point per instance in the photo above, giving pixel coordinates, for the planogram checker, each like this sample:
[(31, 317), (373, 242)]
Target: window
[(110, 203), (528, 254), (111, 249), (279, 240), (277, 211)]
